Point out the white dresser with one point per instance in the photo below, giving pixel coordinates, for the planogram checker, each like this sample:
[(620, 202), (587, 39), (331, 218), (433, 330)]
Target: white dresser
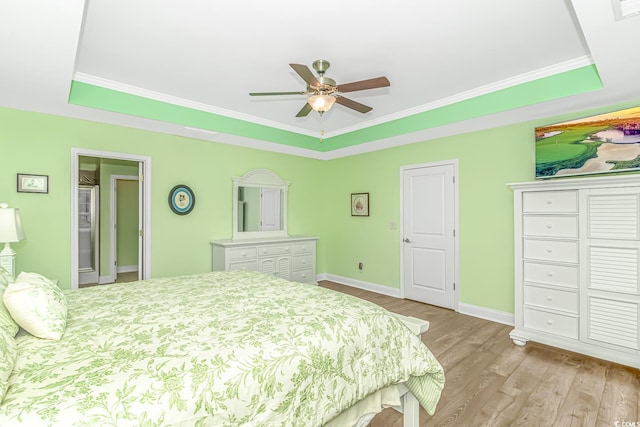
[(577, 263), (292, 257)]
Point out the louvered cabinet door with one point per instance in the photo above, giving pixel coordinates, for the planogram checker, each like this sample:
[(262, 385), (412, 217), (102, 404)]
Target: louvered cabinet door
[(612, 298)]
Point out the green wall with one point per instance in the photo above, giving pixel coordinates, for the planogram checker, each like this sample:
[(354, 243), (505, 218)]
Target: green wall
[(41, 144), (319, 198)]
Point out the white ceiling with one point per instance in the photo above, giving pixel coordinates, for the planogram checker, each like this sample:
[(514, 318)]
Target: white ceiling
[(214, 54)]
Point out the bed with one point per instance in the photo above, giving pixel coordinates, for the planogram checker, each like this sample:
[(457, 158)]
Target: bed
[(217, 349)]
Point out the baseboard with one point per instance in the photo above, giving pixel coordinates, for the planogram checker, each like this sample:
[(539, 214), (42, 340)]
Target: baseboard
[(487, 313), (360, 284), (127, 268), (468, 309)]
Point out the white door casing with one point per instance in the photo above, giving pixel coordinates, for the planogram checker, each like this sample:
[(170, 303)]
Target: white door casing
[(429, 270), (144, 270)]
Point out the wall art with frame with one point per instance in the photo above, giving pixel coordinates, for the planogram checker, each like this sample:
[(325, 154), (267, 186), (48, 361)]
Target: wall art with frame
[(359, 204), (28, 183)]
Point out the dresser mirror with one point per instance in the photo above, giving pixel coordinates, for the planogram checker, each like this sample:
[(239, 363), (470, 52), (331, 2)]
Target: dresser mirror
[(259, 205)]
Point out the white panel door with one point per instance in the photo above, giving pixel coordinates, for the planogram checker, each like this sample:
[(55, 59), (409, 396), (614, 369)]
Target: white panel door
[(428, 225)]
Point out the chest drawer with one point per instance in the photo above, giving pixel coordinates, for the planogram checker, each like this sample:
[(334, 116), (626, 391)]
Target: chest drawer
[(302, 276), (552, 323), (550, 226), (551, 250), (556, 299), (302, 261), (303, 248), (274, 250), (244, 266), (239, 254), (560, 275), (550, 202)]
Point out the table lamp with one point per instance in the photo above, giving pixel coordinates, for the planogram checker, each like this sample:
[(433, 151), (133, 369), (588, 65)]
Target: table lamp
[(10, 232)]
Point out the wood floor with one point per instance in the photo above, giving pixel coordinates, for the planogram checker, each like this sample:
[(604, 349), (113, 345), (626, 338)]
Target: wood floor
[(492, 382)]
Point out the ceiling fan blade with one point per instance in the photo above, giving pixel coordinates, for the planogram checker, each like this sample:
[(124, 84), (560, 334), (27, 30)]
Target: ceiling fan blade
[(304, 111), (364, 84), (350, 103), (306, 74), (276, 93)]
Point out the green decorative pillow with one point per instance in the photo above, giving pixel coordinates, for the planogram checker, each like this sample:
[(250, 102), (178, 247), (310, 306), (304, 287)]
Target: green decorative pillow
[(6, 321), (8, 353), (37, 305)]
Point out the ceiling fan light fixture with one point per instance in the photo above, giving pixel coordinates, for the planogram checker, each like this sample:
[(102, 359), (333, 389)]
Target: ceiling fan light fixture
[(321, 103)]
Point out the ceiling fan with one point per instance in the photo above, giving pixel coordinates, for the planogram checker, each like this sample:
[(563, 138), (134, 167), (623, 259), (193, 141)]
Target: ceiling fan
[(325, 92)]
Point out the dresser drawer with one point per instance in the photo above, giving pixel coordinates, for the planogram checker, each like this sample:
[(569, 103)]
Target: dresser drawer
[(552, 323), (560, 275), (246, 253), (551, 250), (303, 248), (274, 250), (303, 276), (245, 266), (556, 299), (550, 226), (550, 201), (302, 261)]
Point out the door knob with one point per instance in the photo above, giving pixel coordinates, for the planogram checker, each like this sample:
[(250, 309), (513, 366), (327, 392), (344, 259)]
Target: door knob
[(407, 240)]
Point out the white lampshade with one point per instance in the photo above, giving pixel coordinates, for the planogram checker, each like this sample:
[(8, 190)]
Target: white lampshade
[(10, 225), (321, 103)]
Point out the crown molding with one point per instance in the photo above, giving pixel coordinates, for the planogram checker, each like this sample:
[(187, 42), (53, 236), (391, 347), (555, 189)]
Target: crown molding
[(182, 102), (443, 102), (540, 73)]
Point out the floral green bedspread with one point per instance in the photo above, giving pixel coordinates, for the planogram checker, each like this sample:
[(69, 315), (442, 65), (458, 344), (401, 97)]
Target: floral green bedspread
[(215, 349)]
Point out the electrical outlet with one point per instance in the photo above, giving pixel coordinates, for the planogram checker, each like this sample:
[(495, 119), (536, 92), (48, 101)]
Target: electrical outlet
[(360, 266)]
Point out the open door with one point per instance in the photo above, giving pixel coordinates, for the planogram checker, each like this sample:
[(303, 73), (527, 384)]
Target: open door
[(141, 222)]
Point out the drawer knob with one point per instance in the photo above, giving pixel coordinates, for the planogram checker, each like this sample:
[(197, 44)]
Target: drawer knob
[(549, 322), (304, 276), (304, 248), (549, 250), (304, 261), (550, 274), (549, 201), (549, 225), (244, 254), (549, 298)]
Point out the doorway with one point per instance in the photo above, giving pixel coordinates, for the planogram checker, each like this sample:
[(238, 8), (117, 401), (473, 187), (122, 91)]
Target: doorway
[(139, 164), (429, 248)]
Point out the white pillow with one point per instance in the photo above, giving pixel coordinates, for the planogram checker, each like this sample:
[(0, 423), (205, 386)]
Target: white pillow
[(8, 353), (6, 321), (37, 305)]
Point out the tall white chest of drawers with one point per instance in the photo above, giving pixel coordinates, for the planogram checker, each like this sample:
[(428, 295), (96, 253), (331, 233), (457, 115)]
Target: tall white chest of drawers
[(577, 263), (292, 257)]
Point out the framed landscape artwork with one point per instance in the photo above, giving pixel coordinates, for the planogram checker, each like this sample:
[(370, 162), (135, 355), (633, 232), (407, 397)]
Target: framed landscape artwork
[(603, 143)]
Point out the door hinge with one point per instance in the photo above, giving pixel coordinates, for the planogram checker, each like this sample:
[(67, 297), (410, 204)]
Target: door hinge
[(454, 179), (141, 233), (454, 232), (141, 177), (454, 286)]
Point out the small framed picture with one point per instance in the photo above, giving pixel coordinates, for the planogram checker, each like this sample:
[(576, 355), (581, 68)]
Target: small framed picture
[(359, 204), (33, 183)]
